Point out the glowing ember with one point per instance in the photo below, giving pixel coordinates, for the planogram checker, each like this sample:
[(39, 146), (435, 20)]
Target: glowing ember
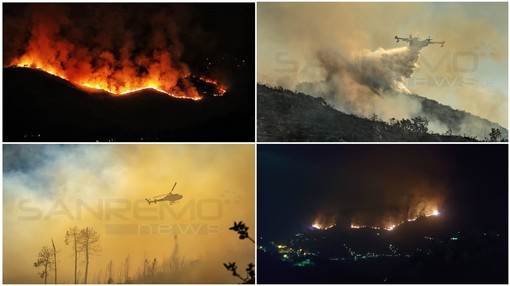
[(318, 225), (99, 86), (391, 227), (220, 89), (322, 227), (324, 222)]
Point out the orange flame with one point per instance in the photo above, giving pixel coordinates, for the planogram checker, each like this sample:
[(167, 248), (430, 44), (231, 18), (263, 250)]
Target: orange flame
[(324, 222), (317, 225), (102, 70), (104, 84), (392, 226), (220, 88)]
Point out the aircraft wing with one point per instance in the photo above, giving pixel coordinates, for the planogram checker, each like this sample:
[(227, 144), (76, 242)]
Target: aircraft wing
[(401, 39), (440, 43)]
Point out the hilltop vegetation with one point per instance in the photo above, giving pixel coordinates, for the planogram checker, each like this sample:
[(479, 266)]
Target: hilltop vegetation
[(283, 115)]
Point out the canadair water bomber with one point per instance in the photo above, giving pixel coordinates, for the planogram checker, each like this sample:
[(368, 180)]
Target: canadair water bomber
[(416, 42)]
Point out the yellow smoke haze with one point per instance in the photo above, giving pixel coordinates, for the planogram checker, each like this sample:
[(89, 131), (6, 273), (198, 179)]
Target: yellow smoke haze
[(50, 188)]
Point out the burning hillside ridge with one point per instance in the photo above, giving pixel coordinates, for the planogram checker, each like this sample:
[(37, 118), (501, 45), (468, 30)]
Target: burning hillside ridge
[(388, 220), (116, 48)]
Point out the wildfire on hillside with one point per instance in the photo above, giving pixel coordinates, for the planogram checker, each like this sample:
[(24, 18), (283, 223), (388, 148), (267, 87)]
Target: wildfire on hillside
[(81, 45)]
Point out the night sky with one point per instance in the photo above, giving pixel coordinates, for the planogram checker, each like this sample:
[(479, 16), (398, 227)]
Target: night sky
[(190, 32), (298, 183)]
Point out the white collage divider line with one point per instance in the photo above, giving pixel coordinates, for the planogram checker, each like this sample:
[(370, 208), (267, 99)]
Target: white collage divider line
[(255, 143)]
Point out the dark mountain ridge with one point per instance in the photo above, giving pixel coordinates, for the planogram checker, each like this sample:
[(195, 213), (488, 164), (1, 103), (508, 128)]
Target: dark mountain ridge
[(283, 115), (41, 107)]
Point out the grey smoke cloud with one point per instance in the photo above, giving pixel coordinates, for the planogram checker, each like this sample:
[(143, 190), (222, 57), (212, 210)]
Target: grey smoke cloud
[(342, 52), (381, 70)]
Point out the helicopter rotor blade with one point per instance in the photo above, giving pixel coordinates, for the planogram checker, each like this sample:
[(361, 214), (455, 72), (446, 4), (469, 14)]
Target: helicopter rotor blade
[(166, 193), (173, 188), (159, 196)]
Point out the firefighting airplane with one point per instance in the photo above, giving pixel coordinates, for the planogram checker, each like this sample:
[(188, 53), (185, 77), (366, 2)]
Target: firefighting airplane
[(172, 198), (415, 41)]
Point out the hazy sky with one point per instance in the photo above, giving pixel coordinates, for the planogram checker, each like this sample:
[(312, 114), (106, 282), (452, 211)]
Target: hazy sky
[(468, 73), (49, 188)]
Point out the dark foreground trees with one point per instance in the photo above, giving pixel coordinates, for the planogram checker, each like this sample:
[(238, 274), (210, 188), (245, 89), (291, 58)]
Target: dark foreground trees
[(242, 230), (45, 261), (88, 240), (84, 241), (54, 258), (72, 238)]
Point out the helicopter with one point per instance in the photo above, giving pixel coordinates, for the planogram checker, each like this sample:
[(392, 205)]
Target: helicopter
[(172, 198)]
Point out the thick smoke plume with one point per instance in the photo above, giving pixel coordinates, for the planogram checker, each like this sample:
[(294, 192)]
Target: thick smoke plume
[(341, 52), (119, 48), (380, 71), (352, 82)]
